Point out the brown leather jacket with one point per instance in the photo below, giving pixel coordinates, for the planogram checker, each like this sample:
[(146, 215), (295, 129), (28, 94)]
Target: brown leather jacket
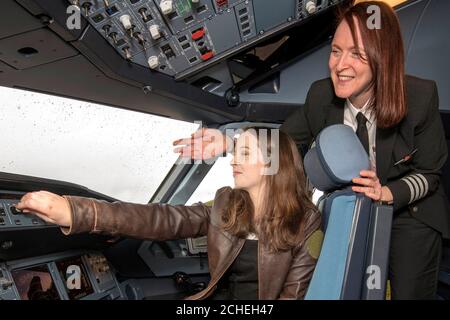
[(282, 275)]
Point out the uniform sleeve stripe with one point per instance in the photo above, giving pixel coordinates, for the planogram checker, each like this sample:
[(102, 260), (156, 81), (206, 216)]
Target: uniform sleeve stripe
[(425, 182), (420, 184), (415, 186), (411, 189)]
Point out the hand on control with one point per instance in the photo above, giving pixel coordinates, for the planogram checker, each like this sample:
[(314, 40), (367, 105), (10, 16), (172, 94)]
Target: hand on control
[(48, 206)]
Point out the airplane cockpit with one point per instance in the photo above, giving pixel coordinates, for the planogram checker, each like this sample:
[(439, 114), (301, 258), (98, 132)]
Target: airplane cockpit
[(113, 82)]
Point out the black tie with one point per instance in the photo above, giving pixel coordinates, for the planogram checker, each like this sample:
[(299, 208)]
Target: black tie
[(361, 131)]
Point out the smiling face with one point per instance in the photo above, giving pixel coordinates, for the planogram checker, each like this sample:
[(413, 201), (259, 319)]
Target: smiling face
[(247, 163), (350, 70)]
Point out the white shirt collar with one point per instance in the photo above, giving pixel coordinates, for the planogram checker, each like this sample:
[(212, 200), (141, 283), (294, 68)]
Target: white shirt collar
[(366, 111)]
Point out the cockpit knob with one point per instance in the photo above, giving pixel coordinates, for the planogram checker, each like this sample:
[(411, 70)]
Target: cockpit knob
[(140, 38), (86, 6), (127, 52), (76, 3)]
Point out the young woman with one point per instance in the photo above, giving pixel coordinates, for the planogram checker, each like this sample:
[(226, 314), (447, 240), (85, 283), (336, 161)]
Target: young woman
[(263, 236), (397, 119)]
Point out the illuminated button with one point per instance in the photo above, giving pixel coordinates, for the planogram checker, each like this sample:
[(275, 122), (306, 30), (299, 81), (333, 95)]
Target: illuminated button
[(207, 55), (310, 7), (34, 221), (111, 10), (2, 222), (166, 6), (153, 62), (98, 18), (221, 3), (126, 21), (154, 31), (198, 34), (2, 212), (18, 222)]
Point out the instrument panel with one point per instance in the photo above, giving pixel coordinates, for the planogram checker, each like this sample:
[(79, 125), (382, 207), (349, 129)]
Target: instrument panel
[(70, 276), (181, 37)]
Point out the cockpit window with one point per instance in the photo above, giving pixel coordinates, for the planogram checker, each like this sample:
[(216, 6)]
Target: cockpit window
[(220, 175), (123, 154)]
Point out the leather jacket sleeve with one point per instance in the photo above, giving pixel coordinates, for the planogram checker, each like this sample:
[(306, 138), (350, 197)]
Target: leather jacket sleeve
[(304, 260), (143, 221)]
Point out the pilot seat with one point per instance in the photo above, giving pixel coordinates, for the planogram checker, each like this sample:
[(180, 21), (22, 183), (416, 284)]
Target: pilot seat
[(353, 263)]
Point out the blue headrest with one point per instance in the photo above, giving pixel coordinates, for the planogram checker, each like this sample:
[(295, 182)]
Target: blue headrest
[(336, 159)]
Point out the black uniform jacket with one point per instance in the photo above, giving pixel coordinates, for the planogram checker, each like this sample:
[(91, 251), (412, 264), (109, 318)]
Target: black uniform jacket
[(409, 156)]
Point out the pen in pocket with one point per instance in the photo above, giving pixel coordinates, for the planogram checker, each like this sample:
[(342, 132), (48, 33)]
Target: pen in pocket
[(406, 158)]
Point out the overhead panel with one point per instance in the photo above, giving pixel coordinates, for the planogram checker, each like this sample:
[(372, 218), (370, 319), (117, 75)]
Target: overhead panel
[(182, 37)]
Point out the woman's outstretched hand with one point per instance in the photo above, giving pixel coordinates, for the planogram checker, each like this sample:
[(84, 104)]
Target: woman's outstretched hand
[(371, 187), (203, 144), (48, 206)]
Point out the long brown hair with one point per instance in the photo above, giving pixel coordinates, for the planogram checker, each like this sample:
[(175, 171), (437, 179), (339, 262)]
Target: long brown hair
[(286, 199), (385, 56)]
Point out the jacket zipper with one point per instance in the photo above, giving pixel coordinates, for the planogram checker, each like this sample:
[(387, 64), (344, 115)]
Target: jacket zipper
[(222, 273)]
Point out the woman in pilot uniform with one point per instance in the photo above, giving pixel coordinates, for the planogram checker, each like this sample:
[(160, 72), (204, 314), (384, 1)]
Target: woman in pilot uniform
[(397, 120)]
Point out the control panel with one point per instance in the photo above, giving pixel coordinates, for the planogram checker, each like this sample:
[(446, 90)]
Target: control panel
[(70, 276), (101, 271), (180, 37), (11, 218)]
